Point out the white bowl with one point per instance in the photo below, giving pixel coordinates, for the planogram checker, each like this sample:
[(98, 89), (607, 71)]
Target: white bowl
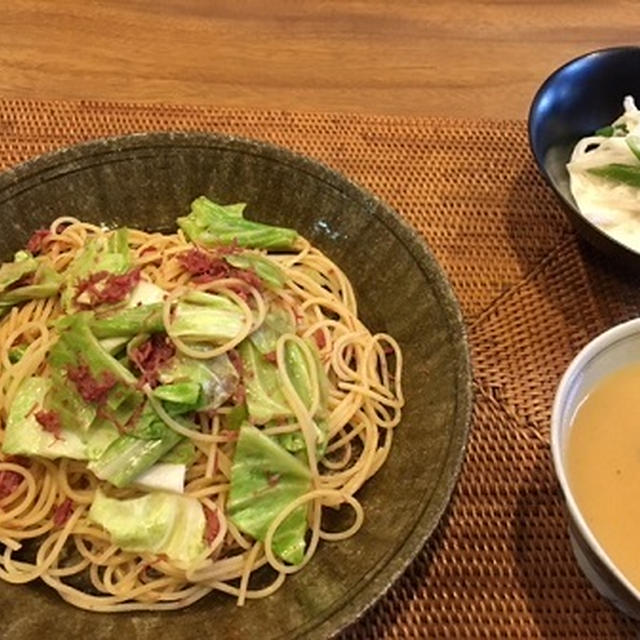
[(609, 352)]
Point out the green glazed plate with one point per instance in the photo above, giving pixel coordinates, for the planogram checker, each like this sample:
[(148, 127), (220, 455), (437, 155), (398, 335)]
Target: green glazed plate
[(148, 180)]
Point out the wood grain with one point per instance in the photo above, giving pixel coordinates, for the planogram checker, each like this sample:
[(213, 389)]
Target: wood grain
[(468, 58)]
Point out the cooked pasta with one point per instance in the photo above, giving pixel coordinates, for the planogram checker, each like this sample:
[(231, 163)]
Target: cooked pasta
[(178, 411), (604, 172)]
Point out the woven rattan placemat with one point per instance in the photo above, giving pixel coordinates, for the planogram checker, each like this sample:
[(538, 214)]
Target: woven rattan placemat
[(532, 294)]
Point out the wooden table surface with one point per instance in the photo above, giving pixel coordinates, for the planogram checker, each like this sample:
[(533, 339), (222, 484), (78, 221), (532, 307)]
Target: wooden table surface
[(468, 58)]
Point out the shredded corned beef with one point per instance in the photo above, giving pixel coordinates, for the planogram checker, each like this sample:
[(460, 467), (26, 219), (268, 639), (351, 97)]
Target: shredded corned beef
[(273, 479), (271, 357), (206, 267), (248, 276), (63, 512), (198, 263), (50, 422), (236, 361), (35, 243), (212, 526), (90, 388), (241, 292), (117, 288), (240, 394), (90, 281), (9, 482), (320, 339), (105, 288), (151, 355)]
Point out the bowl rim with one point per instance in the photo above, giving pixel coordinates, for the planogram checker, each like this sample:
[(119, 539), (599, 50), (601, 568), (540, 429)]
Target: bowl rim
[(592, 349), (537, 96), (50, 163), (593, 229)]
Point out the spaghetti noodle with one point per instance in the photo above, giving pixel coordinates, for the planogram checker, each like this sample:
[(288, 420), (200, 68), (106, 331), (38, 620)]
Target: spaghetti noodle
[(46, 528)]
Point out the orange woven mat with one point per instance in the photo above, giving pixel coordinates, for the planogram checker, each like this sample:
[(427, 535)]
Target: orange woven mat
[(532, 294)]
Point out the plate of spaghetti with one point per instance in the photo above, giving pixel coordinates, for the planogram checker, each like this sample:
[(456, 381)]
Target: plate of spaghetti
[(234, 392)]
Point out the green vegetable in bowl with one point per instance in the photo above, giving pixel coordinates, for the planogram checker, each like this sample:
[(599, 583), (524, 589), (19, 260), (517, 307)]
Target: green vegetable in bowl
[(210, 225), (264, 480)]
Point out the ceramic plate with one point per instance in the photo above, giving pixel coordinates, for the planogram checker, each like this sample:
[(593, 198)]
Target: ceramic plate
[(147, 181)]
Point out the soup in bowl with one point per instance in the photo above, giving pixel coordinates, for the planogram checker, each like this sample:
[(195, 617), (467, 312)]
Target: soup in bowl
[(595, 440)]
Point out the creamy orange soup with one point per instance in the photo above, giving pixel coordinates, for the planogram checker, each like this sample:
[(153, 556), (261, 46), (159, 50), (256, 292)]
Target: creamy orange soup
[(603, 457)]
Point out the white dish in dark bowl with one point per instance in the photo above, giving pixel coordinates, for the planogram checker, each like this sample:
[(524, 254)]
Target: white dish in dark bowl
[(580, 97)]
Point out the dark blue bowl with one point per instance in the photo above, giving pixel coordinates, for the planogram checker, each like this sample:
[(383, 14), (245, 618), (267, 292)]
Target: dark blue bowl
[(580, 97)]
